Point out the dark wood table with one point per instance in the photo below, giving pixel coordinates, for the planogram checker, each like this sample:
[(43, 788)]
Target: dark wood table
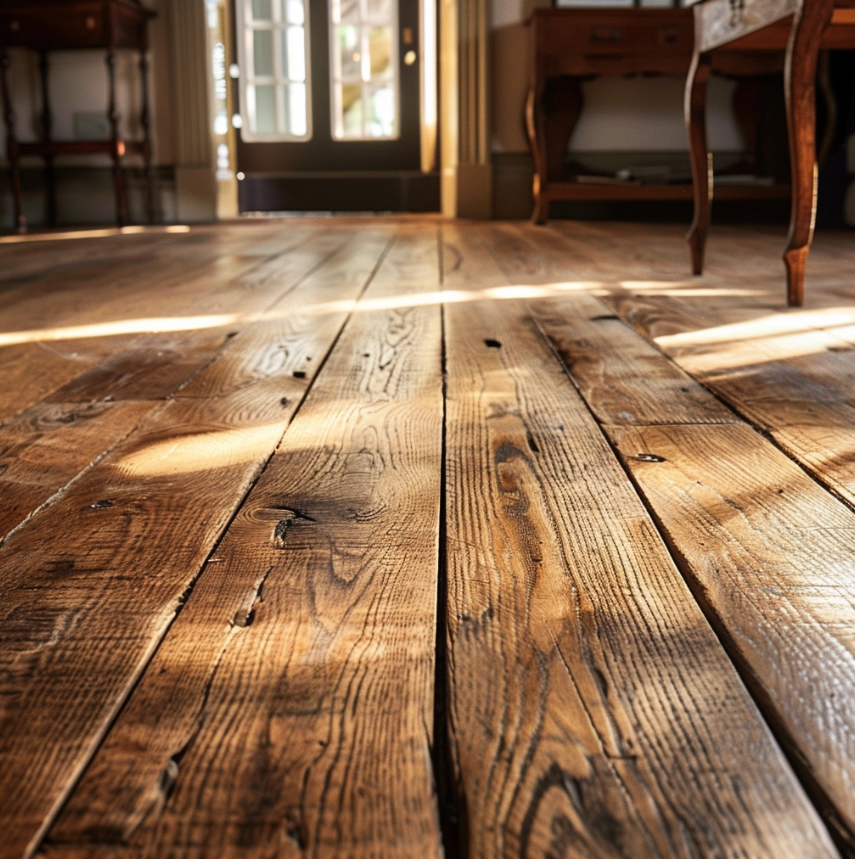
[(50, 25), (800, 28), (569, 46)]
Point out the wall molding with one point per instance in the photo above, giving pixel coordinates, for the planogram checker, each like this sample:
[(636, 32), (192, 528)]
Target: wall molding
[(195, 177), (466, 166)]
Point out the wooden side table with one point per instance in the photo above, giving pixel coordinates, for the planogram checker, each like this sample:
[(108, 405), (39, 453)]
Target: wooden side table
[(49, 25), (569, 46), (801, 28)]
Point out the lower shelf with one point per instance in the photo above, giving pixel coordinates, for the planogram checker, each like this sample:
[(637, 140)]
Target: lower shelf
[(584, 191)]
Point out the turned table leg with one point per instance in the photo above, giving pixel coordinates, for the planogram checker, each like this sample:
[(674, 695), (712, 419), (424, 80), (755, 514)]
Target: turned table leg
[(118, 147), (11, 143), (145, 121), (696, 126), (810, 21), (552, 112)]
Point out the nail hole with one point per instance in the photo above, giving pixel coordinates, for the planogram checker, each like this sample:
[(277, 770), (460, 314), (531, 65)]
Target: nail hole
[(299, 374), (649, 457), (492, 344)]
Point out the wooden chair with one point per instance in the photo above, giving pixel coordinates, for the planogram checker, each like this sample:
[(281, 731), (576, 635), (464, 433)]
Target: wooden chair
[(801, 28)]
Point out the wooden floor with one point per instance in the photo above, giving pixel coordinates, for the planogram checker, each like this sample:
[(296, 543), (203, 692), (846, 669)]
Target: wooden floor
[(410, 538)]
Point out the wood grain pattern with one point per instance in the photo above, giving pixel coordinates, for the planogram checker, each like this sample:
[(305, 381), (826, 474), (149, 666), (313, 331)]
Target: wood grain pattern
[(47, 446), (790, 375), (593, 711), (623, 378), (156, 365), (770, 556), (185, 283), (289, 710), (128, 539)]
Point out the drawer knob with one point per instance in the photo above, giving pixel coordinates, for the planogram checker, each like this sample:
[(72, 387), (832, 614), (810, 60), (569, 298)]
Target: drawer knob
[(14, 26), (605, 35), (90, 22)]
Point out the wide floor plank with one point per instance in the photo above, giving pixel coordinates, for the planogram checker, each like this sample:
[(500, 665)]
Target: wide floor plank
[(129, 538), (770, 555), (593, 711), (290, 708)]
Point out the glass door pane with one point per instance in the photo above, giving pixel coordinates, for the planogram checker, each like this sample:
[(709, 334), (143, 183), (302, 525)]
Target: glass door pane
[(365, 93), (273, 46)]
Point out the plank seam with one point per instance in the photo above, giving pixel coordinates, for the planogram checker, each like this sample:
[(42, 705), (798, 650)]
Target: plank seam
[(451, 801)]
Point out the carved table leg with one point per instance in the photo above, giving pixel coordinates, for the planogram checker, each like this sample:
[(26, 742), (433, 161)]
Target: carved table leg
[(534, 127), (117, 150), (696, 126), (552, 112), (47, 127), (145, 121), (810, 21), (11, 143)]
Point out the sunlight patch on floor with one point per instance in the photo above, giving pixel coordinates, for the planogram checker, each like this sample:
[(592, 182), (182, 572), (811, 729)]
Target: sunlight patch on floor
[(202, 451)]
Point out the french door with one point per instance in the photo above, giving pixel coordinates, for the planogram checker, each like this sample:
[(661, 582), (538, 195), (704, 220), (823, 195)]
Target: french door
[(332, 98)]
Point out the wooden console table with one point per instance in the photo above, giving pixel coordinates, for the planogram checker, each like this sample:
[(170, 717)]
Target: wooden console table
[(802, 28), (49, 25), (569, 46)]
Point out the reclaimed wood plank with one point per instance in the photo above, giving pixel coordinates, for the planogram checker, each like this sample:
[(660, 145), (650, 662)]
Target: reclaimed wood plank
[(622, 377), (769, 555), (157, 365), (48, 340), (289, 711), (270, 346), (593, 711), (92, 582), (44, 448), (790, 374)]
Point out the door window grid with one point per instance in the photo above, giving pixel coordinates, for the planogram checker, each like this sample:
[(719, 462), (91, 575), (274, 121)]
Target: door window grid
[(273, 47), (364, 69)]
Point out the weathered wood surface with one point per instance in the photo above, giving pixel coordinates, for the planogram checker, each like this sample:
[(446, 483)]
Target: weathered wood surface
[(767, 552), (48, 445), (264, 707), (593, 711), (791, 375), (44, 344), (156, 365), (622, 377), (770, 556), (289, 711), (92, 582)]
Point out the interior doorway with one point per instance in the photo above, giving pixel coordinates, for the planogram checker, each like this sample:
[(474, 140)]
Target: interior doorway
[(333, 98)]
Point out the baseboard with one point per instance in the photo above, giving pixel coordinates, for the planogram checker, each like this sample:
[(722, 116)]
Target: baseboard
[(340, 192)]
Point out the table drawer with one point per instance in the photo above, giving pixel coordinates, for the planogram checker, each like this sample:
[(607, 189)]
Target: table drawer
[(616, 37), (77, 25)]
